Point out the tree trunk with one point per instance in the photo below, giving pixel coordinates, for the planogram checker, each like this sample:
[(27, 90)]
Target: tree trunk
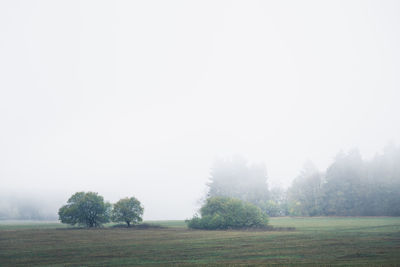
[(129, 223)]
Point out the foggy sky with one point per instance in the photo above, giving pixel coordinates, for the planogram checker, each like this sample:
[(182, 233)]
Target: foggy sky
[(139, 98)]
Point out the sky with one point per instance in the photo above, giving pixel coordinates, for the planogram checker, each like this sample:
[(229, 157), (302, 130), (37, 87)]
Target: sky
[(139, 98)]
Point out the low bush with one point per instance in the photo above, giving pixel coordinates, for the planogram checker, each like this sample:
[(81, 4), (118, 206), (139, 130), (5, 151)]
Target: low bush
[(228, 213)]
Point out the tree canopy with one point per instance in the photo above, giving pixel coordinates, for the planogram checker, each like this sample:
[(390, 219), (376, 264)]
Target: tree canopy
[(128, 210), (350, 186), (304, 195), (86, 209), (236, 178)]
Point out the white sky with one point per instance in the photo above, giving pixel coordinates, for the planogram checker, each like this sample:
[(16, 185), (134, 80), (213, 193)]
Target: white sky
[(139, 97)]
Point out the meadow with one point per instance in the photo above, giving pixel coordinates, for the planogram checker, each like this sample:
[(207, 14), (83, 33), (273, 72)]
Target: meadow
[(349, 241)]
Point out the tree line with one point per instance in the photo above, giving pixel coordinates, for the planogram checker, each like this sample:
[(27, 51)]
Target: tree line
[(238, 194), (350, 186)]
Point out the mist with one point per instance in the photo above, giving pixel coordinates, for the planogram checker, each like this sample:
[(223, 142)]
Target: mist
[(142, 98)]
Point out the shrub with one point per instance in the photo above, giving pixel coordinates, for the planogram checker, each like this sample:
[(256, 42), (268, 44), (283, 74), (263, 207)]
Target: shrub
[(228, 213)]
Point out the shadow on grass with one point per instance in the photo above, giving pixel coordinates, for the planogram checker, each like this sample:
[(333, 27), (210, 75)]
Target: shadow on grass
[(150, 226), (143, 226), (252, 229)]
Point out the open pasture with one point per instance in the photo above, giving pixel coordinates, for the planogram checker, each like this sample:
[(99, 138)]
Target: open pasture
[(316, 241)]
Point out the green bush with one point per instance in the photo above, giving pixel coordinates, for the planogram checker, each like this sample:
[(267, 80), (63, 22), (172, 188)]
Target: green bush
[(228, 213)]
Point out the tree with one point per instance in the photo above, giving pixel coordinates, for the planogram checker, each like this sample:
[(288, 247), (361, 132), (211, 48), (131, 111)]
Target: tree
[(237, 179), (127, 210), (383, 182), (85, 208), (227, 213), (277, 203), (344, 191), (304, 196)]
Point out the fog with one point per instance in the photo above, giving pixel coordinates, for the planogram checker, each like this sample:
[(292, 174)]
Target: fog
[(141, 98)]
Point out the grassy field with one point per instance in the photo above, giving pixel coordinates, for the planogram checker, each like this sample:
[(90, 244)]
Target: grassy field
[(316, 241)]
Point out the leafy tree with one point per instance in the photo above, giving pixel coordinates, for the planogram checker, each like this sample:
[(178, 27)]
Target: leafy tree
[(237, 178), (276, 205), (227, 213), (344, 190), (304, 196), (383, 183), (85, 208), (127, 210)]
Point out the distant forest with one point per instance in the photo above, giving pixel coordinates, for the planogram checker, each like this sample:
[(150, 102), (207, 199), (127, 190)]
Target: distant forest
[(350, 186)]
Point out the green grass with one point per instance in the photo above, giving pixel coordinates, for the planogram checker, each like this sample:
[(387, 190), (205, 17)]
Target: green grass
[(15, 225), (316, 241)]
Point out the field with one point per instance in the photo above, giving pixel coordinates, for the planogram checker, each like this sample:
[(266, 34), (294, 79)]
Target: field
[(316, 241)]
